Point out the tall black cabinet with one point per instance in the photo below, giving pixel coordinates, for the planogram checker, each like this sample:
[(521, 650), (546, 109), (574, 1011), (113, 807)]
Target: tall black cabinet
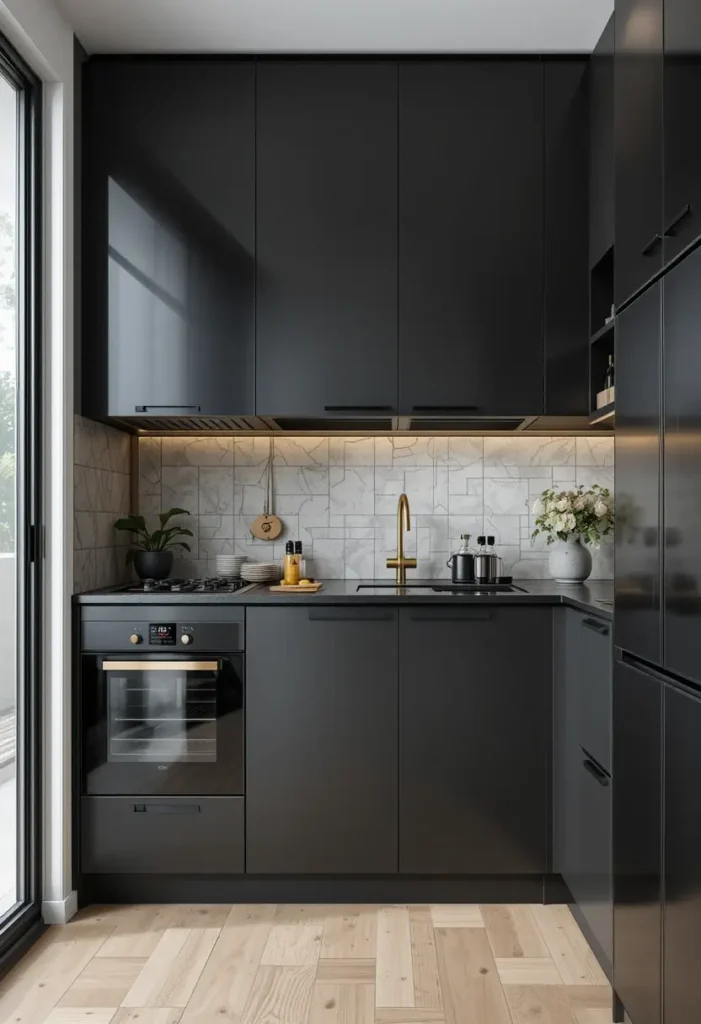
[(682, 146), (326, 208), (682, 464), (169, 237), (638, 582)]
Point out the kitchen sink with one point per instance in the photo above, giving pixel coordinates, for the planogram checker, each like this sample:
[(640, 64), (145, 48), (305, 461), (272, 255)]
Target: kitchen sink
[(447, 588)]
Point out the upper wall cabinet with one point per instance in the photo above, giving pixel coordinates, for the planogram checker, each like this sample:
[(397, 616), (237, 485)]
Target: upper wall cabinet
[(601, 205), (638, 118), (326, 238), (566, 227), (682, 141), (471, 237), (169, 239)]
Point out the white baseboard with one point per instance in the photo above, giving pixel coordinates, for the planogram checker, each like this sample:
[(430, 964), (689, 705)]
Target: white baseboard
[(60, 911)]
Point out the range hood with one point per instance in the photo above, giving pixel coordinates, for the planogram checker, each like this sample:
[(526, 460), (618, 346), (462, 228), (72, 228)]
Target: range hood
[(196, 423)]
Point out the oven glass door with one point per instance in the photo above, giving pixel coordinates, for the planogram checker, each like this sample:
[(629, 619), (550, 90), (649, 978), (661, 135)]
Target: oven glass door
[(163, 725)]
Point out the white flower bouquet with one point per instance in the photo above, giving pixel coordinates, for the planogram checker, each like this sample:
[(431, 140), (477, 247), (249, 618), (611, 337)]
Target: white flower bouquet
[(563, 514)]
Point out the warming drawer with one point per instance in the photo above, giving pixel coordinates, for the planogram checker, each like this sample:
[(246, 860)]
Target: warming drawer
[(162, 835)]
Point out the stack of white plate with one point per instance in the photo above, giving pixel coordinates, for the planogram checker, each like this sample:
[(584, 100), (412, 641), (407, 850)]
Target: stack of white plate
[(261, 572), (229, 566)]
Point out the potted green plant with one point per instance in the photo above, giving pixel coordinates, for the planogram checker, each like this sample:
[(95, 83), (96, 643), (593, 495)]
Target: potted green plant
[(567, 518), (152, 553)]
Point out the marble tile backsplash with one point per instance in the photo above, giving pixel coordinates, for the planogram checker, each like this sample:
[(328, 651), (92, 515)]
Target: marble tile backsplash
[(102, 470), (339, 496)]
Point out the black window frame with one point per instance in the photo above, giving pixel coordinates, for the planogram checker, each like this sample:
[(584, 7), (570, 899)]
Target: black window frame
[(20, 926)]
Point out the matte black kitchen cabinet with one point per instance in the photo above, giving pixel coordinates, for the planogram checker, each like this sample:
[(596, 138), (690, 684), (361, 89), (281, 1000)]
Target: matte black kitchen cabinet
[(566, 225), (638, 120), (566, 744), (169, 241), (682, 468), (682, 844), (601, 183), (321, 740), (682, 144), (471, 212), (637, 828), (582, 846), (638, 581), (475, 729), (326, 208)]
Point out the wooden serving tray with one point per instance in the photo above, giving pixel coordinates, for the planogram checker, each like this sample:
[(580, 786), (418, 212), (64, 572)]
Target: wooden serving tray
[(283, 589)]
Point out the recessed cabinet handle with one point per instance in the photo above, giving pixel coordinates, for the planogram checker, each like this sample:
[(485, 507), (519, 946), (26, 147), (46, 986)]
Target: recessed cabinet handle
[(451, 615), (596, 627), (652, 245), (166, 808), (595, 771), (345, 614), (166, 408), (456, 409), (358, 408), (676, 221)]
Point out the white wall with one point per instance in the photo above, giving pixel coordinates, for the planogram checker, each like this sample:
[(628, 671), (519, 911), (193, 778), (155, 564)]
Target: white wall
[(39, 33)]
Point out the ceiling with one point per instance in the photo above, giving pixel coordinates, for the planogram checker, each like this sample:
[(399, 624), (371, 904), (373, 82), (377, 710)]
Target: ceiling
[(337, 26)]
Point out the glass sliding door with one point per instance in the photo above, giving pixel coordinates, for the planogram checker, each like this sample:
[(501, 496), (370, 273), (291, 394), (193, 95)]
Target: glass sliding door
[(19, 497)]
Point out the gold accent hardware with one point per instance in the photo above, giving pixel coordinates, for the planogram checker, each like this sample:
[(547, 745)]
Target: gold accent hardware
[(400, 563), (160, 666)]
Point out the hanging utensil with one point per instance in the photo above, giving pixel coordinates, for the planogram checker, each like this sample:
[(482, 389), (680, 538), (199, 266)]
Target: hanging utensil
[(268, 526)]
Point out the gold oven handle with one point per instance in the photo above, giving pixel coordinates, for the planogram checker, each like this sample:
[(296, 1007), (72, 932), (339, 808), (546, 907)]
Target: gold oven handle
[(160, 666)]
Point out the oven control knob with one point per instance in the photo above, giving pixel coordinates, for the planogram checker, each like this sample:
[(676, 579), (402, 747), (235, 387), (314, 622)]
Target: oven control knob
[(186, 638), (134, 638)]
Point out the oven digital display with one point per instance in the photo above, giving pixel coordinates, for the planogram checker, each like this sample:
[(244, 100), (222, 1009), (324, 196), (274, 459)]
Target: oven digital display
[(162, 633)]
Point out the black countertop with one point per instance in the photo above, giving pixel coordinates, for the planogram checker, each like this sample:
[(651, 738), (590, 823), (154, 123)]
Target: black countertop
[(594, 596)]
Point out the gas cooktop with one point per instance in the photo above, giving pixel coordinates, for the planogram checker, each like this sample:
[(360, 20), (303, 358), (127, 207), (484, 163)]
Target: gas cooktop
[(206, 585)]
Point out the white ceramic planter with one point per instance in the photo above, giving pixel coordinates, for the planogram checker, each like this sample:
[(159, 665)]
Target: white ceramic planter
[(569, 561)]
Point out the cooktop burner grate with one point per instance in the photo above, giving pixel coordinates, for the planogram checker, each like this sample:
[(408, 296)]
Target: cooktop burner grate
[(205, 585)]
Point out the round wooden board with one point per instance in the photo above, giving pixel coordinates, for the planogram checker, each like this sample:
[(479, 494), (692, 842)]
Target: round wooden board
[(266, 527)]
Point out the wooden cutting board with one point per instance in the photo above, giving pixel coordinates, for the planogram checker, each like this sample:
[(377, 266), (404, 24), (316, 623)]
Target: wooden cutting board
[(283, 589)]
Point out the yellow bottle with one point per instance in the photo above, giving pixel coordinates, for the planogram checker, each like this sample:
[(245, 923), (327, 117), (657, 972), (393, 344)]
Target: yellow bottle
[(291, 566)]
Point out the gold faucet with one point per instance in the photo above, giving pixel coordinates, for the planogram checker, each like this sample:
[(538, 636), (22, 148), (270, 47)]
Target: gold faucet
[(400, 563)]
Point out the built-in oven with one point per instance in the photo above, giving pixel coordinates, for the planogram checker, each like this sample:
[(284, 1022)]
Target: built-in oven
[(163, 705)]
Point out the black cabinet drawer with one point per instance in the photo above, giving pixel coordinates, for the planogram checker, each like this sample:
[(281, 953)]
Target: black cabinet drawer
[(163, 835), (591, 883), (594, 643)]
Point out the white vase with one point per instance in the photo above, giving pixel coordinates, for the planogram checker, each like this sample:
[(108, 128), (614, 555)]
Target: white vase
[(569, 561)]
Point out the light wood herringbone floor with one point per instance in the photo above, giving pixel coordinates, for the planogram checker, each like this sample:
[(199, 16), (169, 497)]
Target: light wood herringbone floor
[(310, 965)]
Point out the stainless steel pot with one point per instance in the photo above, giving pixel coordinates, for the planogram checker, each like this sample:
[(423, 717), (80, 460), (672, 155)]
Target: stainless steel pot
[(462, 567)]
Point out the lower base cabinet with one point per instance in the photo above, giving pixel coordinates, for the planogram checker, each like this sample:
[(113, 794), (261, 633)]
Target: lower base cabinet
[(582, 784), (321, 740), (475, 727), (591, 881), (162, 835)]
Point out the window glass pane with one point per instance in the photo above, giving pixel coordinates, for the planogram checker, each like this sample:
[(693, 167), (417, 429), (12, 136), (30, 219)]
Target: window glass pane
[(8, 592)]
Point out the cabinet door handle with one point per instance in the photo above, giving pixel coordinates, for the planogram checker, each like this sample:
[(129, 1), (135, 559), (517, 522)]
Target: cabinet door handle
[(670, 230), (597, 773), (358, 408), (455, 409), (166, 808), (351, 614), (166, 408), (596, 627), (652, 245), (451, 615)]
